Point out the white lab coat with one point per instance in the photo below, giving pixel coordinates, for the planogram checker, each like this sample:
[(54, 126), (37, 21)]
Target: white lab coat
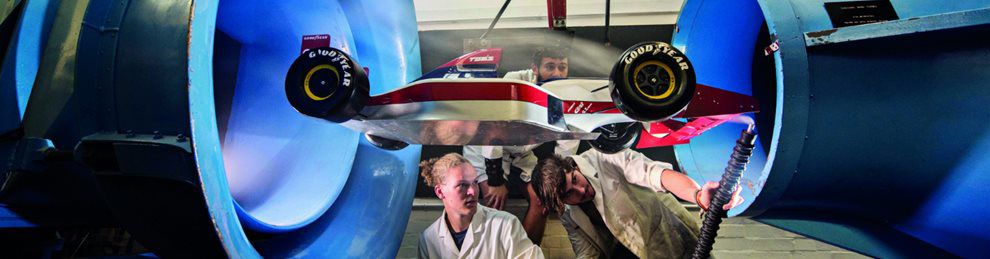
[(491, 234), (518, 156), (636, 209)]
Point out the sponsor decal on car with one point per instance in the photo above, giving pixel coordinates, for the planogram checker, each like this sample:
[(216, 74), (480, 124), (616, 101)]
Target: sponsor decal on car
[(656, 49), (342, 60), (482, 59)]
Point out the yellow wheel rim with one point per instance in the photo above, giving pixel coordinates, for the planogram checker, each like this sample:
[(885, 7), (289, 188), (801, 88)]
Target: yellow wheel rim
[(309, 75), (662, 66)]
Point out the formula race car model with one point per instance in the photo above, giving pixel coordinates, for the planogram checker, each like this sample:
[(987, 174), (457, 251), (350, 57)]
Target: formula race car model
[(650, 95)]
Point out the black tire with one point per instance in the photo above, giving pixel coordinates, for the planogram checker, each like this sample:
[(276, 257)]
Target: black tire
[(616, 137), (327, 83), (652, 81), (385, 143)]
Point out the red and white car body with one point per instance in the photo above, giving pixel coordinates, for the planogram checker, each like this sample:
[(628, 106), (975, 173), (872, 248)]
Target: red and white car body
[(461, 103)]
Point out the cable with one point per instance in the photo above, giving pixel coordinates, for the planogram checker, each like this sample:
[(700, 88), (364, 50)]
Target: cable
[(608, 8), (499, 15)]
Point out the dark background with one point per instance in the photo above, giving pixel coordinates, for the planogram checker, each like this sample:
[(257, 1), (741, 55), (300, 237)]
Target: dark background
[(585, 60)]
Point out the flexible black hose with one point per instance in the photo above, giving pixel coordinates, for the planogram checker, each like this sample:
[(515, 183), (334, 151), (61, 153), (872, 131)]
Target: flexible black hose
[(729, 182)]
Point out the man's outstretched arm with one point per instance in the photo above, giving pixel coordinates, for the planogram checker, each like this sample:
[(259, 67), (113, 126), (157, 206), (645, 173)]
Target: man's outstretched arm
[(687, 189), (680, 185), (659, 176)]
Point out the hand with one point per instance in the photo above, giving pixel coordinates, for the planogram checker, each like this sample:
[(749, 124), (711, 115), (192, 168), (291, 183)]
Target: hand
[(708, 191), (494, 196)]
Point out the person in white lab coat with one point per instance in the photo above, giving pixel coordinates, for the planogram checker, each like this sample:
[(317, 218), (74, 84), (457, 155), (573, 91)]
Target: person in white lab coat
[(620, 205), (466, 229), (493, 163)]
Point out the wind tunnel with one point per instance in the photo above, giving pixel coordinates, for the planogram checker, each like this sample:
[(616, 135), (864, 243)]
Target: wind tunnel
[(872, 137), (171, 117)]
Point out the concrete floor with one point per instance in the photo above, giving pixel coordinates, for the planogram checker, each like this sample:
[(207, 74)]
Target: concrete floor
[(737, 237)]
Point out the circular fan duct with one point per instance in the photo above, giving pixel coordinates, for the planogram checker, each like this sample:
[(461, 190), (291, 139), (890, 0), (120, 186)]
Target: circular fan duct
[(871, 136), (178, 109)]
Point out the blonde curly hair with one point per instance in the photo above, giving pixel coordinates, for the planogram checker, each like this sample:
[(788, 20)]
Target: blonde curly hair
[(434, 169)]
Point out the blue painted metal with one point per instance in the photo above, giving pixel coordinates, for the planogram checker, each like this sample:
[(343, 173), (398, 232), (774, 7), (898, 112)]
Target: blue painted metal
[(19, 157), (716, 65), (387, 41), (384, 40), (265, 137), (938, 22), (814, 18), (368, 220), (879, 131), (67, 192), (20, 65), (204, 135), (143, 110), (11, 219), (391, 48)]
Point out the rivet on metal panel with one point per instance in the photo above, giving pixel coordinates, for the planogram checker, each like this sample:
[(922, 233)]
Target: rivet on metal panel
[(129, 134), (180, 138), (158, 135)]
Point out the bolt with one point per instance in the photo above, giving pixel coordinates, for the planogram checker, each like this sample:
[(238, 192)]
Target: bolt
[(180, 138), (158, 135), (129, 134)]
